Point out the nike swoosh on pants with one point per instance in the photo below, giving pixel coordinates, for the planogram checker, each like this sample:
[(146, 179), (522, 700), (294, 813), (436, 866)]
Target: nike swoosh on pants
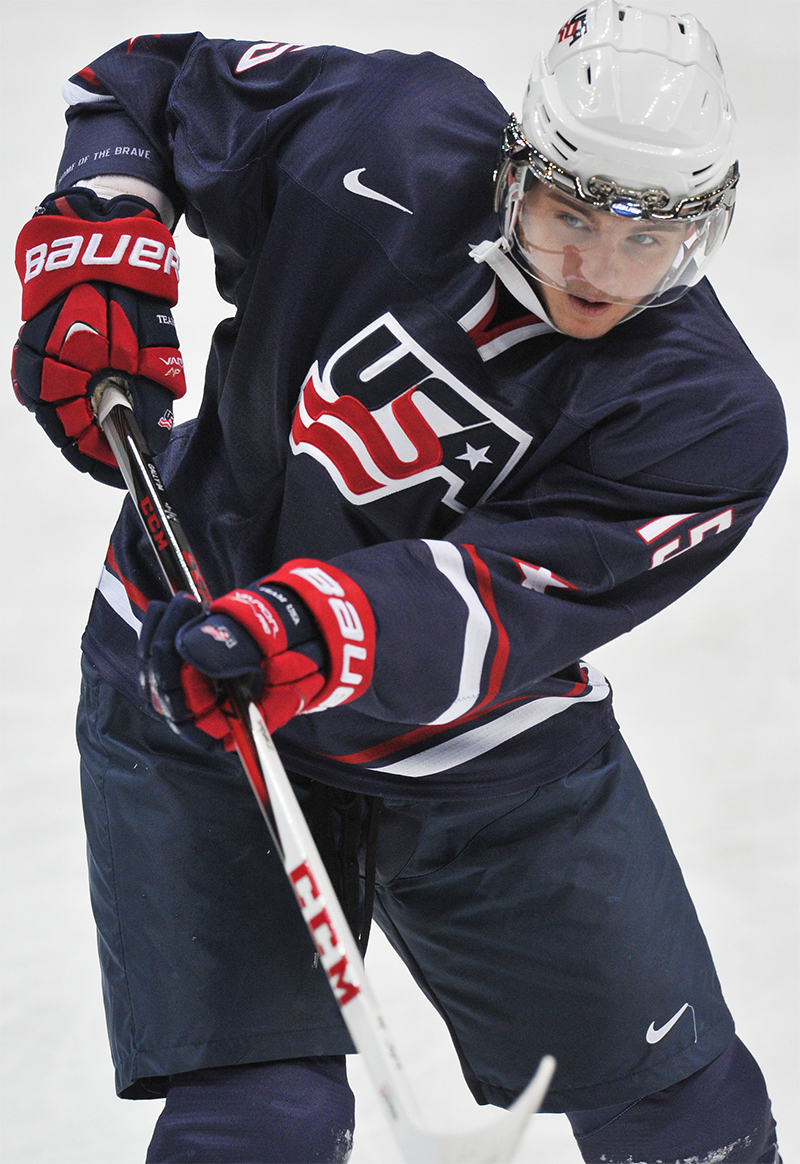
[(656, 1035)]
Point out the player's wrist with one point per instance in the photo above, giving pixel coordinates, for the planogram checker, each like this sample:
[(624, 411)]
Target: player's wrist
[(110, 186)]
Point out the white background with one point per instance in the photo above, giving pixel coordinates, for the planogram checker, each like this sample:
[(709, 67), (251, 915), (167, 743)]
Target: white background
[(706, 694)]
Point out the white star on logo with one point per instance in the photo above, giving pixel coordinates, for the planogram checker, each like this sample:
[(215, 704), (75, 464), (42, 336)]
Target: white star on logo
[(475, 456)]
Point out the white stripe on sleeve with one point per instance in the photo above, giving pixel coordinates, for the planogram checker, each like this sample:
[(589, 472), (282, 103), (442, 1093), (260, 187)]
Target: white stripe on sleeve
[(481, 739), (76, 95), (115, 595), (477, 633)]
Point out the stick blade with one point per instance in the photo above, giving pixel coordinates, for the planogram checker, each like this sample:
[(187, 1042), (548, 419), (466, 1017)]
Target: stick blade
[(494, 1144)]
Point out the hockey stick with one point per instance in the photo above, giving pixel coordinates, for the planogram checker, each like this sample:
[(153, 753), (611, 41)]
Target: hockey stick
[(322, 913)]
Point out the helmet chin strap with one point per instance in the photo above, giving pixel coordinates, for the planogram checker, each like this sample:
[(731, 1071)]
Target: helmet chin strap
[(494, 254)]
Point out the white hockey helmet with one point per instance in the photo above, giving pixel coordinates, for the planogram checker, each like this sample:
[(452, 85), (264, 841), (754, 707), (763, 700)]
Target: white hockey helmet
[(626, 116)]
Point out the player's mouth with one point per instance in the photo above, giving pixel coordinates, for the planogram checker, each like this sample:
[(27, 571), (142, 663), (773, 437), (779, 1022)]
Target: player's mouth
[(589, 308)]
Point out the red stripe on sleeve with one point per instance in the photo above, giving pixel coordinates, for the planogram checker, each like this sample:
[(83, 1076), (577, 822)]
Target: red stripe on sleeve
[(88, 74), (486, 594), (416, 736), (133, 592)]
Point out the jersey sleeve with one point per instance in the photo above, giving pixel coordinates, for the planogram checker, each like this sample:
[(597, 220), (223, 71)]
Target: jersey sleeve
[(523, 588), (107, 135), (203, 120)]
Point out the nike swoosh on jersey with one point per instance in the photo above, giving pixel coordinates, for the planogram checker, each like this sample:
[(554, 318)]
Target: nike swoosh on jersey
[(655, 1036), (352, 182)]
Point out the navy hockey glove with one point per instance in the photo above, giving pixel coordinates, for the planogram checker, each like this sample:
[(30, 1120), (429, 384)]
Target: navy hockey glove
[(98, 281), (302, 640)]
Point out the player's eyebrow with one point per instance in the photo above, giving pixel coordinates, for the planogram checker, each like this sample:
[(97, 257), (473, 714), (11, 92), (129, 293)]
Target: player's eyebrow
[(570, 203)]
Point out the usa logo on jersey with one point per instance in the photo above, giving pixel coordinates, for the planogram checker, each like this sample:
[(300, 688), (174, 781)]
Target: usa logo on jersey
[(384, 416)]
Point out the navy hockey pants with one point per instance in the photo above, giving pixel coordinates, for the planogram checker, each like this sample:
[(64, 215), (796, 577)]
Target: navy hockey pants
[(555, 920)]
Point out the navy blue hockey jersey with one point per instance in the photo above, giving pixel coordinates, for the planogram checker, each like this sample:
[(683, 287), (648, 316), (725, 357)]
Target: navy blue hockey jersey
[(508, 498)]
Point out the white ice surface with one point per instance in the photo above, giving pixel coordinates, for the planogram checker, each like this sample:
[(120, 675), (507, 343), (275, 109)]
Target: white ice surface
[(706, 693)]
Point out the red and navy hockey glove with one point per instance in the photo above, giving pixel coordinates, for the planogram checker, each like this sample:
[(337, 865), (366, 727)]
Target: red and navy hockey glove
[(98, 281), (302, 639)]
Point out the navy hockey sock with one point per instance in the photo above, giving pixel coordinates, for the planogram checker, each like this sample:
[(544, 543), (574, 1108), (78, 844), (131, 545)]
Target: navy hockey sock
[(291, 1112), (721, 1114)]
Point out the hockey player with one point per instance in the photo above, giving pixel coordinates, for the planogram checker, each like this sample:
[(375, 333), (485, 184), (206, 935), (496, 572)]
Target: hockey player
[(437, 461)]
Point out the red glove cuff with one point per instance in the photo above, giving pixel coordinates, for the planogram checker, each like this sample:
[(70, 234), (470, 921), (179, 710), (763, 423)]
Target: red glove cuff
[(55, 253), (345, 619)]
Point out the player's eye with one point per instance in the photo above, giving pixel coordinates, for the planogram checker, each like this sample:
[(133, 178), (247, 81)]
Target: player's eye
[(573, 221), (644, 240)]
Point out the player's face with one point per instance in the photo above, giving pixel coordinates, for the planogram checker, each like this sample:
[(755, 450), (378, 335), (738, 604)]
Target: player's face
[(593, 266)]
